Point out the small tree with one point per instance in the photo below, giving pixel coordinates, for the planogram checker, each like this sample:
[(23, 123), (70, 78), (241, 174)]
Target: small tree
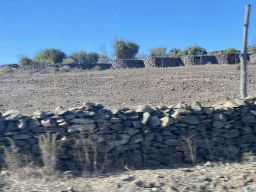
[(25, 61), (79, 57), (195, 50), (103, 58), (174, 52), (93, 57), (231, 50), (49, 55), (157, 51), (125, 50)]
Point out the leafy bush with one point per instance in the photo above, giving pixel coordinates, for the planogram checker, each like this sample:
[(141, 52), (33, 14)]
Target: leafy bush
[(238, 66), (93, 57), (79, 57), (7, 69), (157, 51), (25, 61), (125, 50), (251, 49), (231, 50), (49, 56), (68, 61), (195, 50)]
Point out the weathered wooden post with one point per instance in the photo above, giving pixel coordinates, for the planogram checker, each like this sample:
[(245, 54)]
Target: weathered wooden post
[(243, 55)]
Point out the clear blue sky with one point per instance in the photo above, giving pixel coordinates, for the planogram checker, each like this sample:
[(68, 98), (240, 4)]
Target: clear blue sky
[(29, 26)]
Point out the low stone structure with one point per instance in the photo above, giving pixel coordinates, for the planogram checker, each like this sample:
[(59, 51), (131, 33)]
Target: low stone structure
[(162, 61), (124, 63), (140, 137)]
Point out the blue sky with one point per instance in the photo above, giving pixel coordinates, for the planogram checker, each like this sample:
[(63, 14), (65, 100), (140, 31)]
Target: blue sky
[(29, 26)]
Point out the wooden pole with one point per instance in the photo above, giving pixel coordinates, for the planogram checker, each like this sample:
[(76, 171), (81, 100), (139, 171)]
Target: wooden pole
[(243, 55)]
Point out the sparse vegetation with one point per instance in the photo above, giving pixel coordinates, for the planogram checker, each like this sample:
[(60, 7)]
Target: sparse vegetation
[(49, 151), (157, 51), (7, 69)]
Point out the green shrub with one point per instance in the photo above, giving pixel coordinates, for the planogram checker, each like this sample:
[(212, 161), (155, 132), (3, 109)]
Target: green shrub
[(7, 69), (238, 67)]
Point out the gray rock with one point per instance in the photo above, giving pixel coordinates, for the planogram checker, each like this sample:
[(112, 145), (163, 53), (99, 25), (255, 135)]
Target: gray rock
[(166, 121), (70, 116), (22, 124), (82, 121), (33, 122), (124, 136), (245, 139), (35, 149), (246, 130), (116, 126), (115, 120), (127, 123), (204, 143), (150, 149), (118, 143), (146, 130), (133, 131), (218, 140), (12, 127), (176, 116), (39, 114), (127, 147), (150, 136), (21, 137), (82, 127), (2, 125), (175, 158), (145, 118), (208, 110), (196, 107), (137, 139), (122, 116), (60, 111), (219, 117), (12, 115), (158, 137), (154, 121), (171, 141), (48, 122), (218, 124), (167, 150), (136, 124), (249, 118), (89, 104), (190, 119), (143, 109)]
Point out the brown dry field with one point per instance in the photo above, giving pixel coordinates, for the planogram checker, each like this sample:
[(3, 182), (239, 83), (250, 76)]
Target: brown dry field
[(209, 84)]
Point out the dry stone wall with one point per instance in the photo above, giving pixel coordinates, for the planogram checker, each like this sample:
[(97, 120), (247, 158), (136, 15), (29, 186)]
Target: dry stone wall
[(141, 137), (253, 58), (124, 63), (162, 61)]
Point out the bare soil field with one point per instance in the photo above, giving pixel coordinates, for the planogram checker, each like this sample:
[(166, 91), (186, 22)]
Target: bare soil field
[(208, 84)]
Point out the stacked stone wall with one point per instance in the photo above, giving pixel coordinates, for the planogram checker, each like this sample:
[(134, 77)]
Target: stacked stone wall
[(124, 63), (162, 61), (253, 58), (141, 136)]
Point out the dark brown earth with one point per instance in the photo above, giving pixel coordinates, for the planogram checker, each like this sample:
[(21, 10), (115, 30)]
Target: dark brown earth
[(208, 84), (130, 87)]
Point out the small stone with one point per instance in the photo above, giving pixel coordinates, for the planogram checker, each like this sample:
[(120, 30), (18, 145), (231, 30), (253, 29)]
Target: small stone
[(82, 121), (12, 115), (39, 114), (166, 121), (190, 119), (145, 118), (143, 108), (154, 121)]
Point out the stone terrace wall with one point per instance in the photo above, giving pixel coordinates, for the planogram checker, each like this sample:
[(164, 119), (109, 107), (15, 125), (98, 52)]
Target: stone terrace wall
[(123, 63), (162, 61), (187, 60), (253, 58), (143, 136)]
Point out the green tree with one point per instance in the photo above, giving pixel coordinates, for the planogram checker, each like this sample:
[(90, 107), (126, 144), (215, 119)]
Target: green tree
[(157, 51), (103, 58), (125, 50), (25, 61), (251, 49), (195, 50), (174, 52), (49, 56), (231, 50), (68, 61), (93, 57), (79, 57)]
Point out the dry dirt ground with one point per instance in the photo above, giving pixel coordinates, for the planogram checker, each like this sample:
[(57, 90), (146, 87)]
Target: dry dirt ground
[(209, 84)]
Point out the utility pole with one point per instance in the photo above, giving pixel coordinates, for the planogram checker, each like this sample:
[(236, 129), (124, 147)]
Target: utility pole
[(243, 55)]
